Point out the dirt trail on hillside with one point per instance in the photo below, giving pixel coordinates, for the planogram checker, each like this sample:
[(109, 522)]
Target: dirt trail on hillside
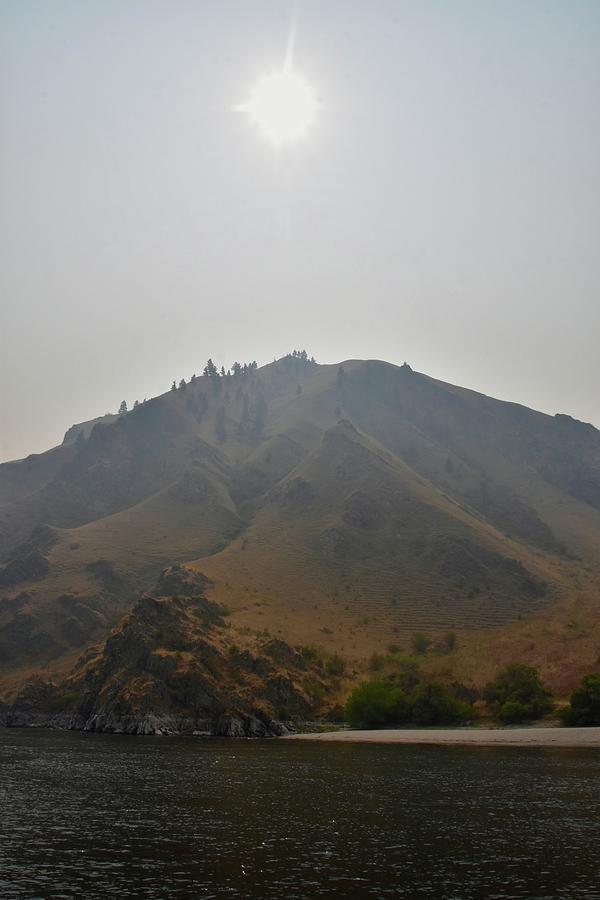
[(512, 737)]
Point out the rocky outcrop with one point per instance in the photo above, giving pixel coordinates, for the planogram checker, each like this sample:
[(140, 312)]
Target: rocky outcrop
[(170, 668), (180, 580), (28, 561), (82, 430), (150, 724)]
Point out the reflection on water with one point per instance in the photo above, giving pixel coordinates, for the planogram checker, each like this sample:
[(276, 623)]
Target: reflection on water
[(108, 816)]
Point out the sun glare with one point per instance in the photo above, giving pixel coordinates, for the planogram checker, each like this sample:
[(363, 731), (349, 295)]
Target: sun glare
[(282, 106)]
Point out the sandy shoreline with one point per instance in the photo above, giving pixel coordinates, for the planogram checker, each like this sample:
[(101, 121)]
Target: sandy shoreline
[(486, 737)]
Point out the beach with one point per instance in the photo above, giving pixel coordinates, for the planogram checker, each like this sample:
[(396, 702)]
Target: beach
[(511, 737)]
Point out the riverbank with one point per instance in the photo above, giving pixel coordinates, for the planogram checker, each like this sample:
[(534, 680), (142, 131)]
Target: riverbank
[(481, 737)]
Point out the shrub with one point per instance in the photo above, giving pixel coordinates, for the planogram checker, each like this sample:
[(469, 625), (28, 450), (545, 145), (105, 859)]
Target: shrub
[(376, 662), (420, 644), (66, 700), (435, 704), (514, 711), (407, 677), (315, 690), (584, 706), (273, 649), (518, 695), (378, 703), (335, 665), (449, 642), (375, 703), (311, 655)]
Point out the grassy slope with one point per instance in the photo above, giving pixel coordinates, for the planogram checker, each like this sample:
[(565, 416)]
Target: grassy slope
[(330, 555)]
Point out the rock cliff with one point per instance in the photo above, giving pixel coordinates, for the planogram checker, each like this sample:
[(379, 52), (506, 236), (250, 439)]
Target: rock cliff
[(170, 667)]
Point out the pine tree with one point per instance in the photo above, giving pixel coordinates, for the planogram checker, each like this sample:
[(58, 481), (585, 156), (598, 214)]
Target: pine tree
[(123, 408)]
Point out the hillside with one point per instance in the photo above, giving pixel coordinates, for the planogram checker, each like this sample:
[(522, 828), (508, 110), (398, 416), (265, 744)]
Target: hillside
[(342, 506)]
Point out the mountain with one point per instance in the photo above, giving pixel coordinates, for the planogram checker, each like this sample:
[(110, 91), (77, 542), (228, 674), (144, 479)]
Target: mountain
[(344, 507)]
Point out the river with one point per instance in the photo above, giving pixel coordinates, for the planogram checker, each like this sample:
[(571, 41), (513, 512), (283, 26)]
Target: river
[(107, 816)]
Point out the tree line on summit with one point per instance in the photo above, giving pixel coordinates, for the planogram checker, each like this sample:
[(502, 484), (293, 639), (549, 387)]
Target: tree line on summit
[(237, 370), (253, 413)]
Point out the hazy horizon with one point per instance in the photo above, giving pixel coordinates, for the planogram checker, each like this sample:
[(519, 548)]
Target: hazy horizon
[(444, 209)]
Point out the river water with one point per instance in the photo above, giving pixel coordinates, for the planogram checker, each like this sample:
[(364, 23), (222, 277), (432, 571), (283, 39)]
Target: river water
[(109, 816)]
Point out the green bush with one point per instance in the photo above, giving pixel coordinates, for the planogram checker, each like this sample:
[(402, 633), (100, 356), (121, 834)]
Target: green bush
[(514, 711), (315, 690), (407, 675), (335, 665), (449, 642), (420, 644), (518, 695), (66, 700), (584, 706), (375, 703), (435, 704), (378, 703), (376, 662), (310, 654)]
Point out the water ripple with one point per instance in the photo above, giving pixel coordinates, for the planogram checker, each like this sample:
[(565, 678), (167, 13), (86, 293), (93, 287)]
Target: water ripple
[(107, 816)]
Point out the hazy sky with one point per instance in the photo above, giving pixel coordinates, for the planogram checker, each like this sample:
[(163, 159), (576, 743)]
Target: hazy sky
[(445, 208)]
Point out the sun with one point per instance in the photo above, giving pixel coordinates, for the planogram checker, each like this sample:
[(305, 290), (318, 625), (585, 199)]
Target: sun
[(282, 106)]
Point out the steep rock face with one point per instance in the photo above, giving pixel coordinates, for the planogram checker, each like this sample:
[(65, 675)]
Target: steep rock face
[(84, 429), (168, 668)]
